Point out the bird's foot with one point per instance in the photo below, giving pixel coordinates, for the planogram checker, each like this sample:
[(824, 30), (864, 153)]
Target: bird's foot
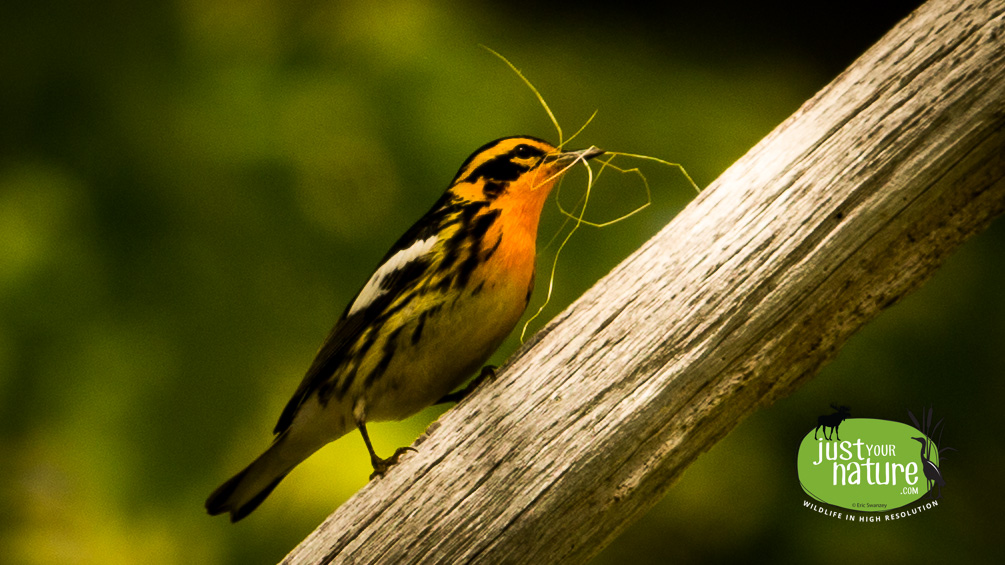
[(488, 372), (380, 466)]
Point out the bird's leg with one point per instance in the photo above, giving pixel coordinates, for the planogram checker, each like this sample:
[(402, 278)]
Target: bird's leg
[(488, 372), (380, 466)]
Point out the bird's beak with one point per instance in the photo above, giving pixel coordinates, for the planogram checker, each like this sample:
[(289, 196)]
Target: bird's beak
[(568, 157)]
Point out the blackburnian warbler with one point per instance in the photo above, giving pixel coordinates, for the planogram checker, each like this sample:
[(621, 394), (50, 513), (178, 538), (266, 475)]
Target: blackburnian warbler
[(442, 300)]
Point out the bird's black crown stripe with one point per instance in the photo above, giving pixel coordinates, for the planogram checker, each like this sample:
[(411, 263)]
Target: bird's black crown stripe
[(488, 146)]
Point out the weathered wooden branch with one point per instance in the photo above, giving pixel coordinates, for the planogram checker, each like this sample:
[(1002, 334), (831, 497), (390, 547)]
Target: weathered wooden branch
[(847, 206)]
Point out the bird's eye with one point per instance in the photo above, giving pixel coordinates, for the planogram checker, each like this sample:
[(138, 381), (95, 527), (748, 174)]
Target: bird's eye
[(524, 151)]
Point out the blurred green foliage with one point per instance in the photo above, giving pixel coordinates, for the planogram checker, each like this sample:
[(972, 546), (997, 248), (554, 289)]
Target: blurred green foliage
[(191, 191)]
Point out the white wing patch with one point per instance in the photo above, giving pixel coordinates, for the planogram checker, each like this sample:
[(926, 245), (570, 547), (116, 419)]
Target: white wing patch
[(371, 291)]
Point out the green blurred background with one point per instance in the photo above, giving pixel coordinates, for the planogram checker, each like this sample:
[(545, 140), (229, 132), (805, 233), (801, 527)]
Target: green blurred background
[(191, 191)]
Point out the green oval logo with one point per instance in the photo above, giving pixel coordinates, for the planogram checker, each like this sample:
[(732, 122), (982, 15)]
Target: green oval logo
[(875, 466)]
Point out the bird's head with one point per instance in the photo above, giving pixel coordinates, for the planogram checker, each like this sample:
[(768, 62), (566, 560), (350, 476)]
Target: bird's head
[(520, 167)]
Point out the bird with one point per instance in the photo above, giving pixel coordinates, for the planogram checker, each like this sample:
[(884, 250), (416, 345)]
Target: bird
[(931, 470), (441, 301)]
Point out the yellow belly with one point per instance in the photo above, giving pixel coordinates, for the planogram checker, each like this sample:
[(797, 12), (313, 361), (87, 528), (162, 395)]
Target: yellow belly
[(455, 342)]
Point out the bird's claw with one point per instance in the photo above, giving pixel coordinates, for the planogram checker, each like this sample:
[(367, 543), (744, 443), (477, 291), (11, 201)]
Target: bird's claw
[(380, 466)]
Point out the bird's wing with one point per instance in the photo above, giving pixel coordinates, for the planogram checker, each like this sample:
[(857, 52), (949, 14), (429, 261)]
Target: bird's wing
[(398, 274)]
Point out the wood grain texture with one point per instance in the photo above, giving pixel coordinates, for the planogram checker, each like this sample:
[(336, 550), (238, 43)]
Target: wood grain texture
[(847, 206)]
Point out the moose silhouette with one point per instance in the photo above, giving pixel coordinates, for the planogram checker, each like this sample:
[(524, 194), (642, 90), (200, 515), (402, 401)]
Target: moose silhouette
[(832, 421)]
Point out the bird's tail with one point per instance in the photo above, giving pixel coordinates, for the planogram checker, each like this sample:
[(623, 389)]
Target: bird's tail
[(247, 489)]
